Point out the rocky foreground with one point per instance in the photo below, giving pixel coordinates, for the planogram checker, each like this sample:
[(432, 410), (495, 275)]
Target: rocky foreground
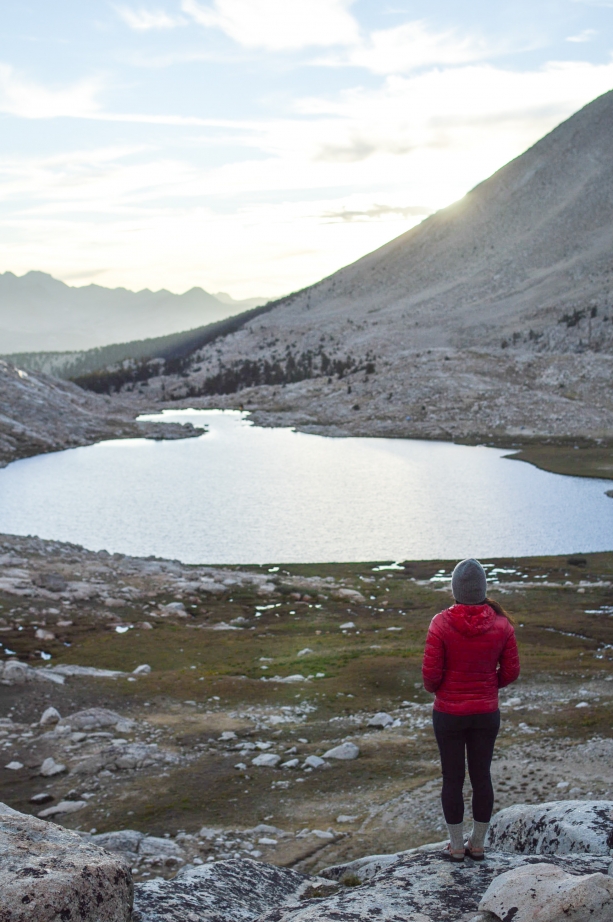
[(550, 863)]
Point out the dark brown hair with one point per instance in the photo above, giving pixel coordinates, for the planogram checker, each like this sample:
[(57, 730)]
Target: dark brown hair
[(500, 610)]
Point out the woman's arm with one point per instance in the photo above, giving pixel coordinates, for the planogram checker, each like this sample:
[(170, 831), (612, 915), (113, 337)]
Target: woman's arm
[(433, 665), (508, 670)]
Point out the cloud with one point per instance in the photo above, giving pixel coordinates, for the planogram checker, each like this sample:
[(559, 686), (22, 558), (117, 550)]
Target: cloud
[(586, 36), (143, 20), (279, 25), (378, 211), (27, 99), (409, 47)]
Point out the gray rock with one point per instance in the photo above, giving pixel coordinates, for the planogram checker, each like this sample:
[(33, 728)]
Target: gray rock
[(124, 842), (64, 806), (145, 669), (266, 760), (50, 767), (15, 673), (225, 891), (560, 827), (162, 849), (381, 720), (124, 757), (89, 671), (52, 582), (345, 751), (48, 874), (12, 672), (545, 893), (50, 717), (91, 719), (313, 762)]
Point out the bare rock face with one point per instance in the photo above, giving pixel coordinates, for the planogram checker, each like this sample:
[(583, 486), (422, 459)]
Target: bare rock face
[(48, 874), (545, 893), (239, 890), (558, 828)]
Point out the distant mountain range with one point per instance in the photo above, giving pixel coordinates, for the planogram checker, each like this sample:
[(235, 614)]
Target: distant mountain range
[(39, 313)]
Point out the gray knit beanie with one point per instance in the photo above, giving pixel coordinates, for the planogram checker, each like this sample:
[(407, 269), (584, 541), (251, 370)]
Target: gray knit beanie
[(468, 582)]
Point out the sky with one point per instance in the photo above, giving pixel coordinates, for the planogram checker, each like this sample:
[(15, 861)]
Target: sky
[(256, 146)]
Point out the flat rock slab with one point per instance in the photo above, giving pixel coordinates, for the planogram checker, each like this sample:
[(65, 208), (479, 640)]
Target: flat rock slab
[(556, 828), (48, 874), (238, 890)]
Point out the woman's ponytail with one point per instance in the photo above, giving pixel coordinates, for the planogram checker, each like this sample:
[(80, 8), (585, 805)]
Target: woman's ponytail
[(500, 610)]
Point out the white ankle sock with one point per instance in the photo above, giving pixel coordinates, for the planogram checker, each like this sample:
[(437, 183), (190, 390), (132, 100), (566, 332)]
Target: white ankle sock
[(456, 835), (477, 836)]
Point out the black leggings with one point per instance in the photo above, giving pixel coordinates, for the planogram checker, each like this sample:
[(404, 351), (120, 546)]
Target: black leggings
[(474, 734)]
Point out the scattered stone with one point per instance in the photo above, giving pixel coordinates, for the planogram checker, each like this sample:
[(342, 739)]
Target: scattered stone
[(14, 766), (48, 874), (125, 842), (65, 806), (346, 818), (52, 582), (12, 672), (547, 893), (266, 760), (160, 849), (42, 634), (345, 751), (91, 719), (50, 717), (122, 756), (142, 670), (381, 720), (347, 626), (304, 652), (291, 763), (50, 767), (349, 595), (43, 798), (313, 762)]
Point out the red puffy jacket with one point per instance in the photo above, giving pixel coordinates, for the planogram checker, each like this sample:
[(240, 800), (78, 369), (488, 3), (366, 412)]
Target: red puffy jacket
[(470, 653)]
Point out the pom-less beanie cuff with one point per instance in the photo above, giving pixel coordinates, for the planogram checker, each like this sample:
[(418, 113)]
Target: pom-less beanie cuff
[(468, 582)]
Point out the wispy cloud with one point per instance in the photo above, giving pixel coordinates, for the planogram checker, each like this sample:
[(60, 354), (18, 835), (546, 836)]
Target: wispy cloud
[(409, 47), (585, 36), (28, 99), (143, 20), (279, 25), (378, 211)]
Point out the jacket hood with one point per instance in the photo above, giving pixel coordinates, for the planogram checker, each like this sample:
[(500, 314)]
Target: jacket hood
[(471, 620)]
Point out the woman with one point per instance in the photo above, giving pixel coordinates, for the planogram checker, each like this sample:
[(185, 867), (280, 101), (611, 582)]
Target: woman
[(470, 653)]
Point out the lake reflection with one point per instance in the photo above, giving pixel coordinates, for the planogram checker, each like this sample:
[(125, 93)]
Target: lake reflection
[(241, 494)]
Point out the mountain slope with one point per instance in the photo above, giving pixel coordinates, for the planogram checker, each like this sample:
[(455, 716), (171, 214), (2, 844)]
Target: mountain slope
[(38, 312), (529, 244), (493, 317)]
